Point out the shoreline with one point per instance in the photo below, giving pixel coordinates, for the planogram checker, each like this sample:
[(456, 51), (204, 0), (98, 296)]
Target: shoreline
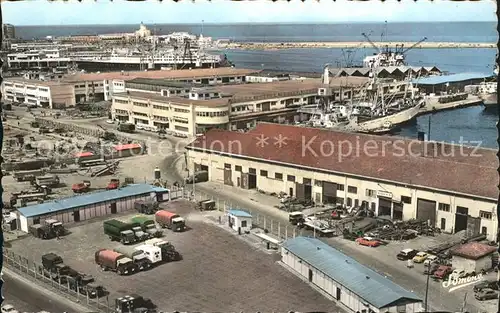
[(354, 45)]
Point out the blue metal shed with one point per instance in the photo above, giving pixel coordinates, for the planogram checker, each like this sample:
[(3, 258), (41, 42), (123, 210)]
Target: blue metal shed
[(88, 199), (377, 290), (443, 79)]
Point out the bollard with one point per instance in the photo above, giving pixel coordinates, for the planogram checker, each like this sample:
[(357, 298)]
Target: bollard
[(239, 230)]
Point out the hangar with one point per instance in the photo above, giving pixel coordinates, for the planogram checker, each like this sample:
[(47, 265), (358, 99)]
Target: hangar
[(85, 207), (399, 178), (357, 287)]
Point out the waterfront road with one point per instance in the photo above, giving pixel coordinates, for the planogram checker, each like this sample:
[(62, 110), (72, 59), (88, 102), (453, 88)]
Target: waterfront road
[(27, 296)]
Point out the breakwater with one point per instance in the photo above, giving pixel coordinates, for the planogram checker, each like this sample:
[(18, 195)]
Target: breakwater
[(353, 44)]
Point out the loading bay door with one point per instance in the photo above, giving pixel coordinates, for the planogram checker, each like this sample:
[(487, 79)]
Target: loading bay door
[(426, 210), (228, 173), (329, 192), (461, 218), (384, 206)]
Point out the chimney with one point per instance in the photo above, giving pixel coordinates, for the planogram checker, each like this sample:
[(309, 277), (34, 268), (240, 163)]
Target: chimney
[(326, 75)]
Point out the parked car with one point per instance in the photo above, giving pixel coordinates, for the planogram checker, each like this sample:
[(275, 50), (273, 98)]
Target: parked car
[(486, 284), (368, 241), (8, 308), (458, 273), (420, 257), (406, 254), (486, 294), (442, 272), (431, 259)]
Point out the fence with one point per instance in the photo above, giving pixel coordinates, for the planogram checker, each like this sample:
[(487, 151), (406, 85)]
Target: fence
[(22, 266), (276, 228)]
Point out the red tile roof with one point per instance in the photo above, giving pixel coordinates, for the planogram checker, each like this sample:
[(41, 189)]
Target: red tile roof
[(473, 250), (83, 154), (127, 146), (440, 166)]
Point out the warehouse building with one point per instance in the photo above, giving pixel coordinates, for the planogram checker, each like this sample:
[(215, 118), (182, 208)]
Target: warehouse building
[(453, 187), (194, 110), (473, 257), (80, 208), (355, 286)]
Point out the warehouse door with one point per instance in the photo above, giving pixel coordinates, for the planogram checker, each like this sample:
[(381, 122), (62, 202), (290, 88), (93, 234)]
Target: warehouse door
[(461, 218), (310, 275), (329, 192), (252, 178), (113, 208), (299, 191), (244, 180), (307, 189), (397, 211), (426, 211), (204, 168), (197, 167), (384, 207), (228, 177), (76, 216)]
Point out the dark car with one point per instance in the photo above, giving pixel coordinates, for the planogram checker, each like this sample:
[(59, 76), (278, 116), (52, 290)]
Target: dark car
[(431, 269), (486, 294), (486, 284), (406, 254)]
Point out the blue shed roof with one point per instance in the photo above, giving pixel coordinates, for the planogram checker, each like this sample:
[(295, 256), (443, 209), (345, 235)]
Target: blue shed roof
[(365, 282), (443, 79), (88, 199), (240, 213)]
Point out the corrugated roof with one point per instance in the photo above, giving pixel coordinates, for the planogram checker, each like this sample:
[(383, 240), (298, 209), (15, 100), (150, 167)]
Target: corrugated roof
[(88, 199), (443, 79), (239, 213), (127, 146), (410, 162), (374, 288)]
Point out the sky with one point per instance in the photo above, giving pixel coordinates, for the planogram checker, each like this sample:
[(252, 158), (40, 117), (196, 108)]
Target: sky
[(44, 12)]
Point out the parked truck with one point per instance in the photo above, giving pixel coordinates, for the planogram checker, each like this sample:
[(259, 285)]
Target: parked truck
[(153, 253), (126, 127), (49, 180), (168, 252), (198, 177), (148, 225), (170, 220), (53, 267), (119, 231), (114, 261), (139, 257), (81, 187), (48, 229), (146, 207)]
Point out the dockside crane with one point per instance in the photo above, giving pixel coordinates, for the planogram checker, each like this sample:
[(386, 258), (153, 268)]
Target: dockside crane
[(400, 48), (371, 42)]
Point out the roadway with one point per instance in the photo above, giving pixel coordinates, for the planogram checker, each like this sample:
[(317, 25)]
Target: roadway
[(26, 296)]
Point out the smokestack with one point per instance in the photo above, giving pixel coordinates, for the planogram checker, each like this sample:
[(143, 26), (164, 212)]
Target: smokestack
[(326, 75)]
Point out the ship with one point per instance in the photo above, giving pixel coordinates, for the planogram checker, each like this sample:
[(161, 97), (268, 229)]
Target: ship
[(372, 111)]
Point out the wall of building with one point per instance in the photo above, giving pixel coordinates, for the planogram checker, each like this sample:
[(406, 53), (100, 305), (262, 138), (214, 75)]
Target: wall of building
[(168, 115), (38, 94), (469, 265), (347, 297), (366, 189), (86, 213)]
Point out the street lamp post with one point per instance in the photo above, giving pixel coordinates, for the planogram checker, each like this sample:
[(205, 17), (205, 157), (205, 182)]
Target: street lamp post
[(428, 268)]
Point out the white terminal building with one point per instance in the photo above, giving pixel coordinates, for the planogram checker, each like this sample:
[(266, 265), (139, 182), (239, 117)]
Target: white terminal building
[(444, 184)]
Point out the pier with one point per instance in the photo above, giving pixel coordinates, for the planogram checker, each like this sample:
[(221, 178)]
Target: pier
[(433, 105), (352, 44)]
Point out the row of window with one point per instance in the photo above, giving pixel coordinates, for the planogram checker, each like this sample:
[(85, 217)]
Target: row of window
[(140, 104), (140, 114), (212, 114), (160, 107), (121, 101), (181, 110)]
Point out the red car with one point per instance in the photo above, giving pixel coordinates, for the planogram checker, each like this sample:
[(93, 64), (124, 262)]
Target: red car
[(442, 272), (368, 241)]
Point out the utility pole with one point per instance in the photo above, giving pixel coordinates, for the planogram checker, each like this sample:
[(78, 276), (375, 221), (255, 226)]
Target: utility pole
[(428, 269)]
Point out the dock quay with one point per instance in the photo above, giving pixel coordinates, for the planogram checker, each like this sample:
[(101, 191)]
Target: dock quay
[(433, 105), (353, 44)]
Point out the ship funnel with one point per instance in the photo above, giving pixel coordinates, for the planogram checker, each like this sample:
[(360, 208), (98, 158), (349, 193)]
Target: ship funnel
[(326, 75)]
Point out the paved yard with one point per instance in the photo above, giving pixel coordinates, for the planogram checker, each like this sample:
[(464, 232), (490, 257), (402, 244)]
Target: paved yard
[(219, 271)]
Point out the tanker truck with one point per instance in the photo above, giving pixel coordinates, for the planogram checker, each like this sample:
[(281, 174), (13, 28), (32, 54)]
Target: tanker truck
[(148, 225), (114, 261), (138, 257), (168, 252), (119, 231), (170, 220), (152, 253)]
